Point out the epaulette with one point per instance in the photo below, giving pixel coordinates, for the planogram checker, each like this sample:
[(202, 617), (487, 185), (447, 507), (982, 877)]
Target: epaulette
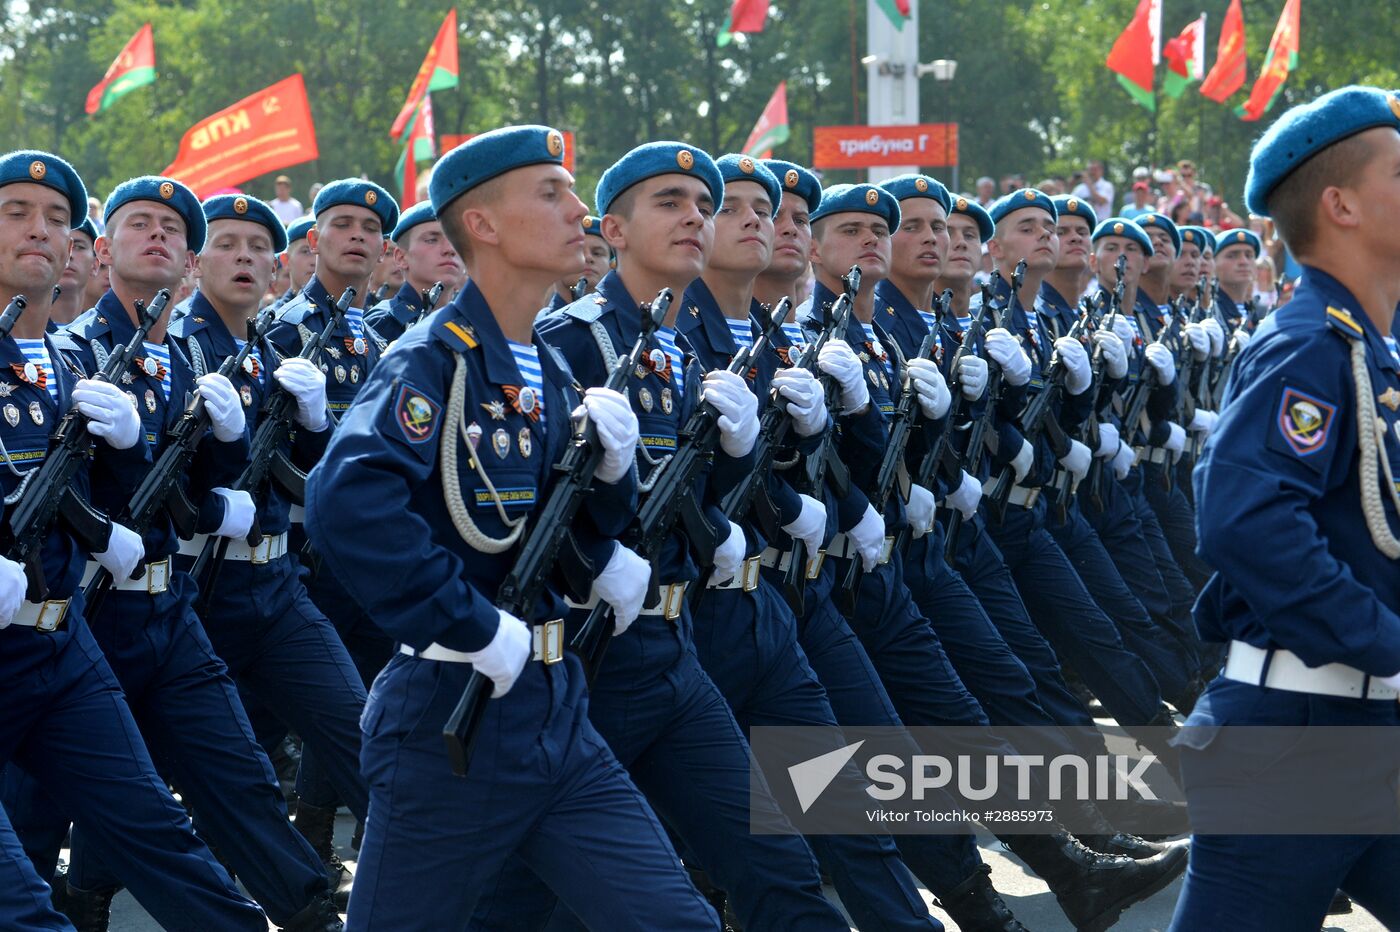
[(88, 326), (297, 310), (459, 336), (379, 310), (187, 326), (1341, 321), (586, 309), (65, 342)]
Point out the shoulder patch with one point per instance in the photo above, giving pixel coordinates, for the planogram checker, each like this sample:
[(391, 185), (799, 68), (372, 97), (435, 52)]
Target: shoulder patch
[(1342, 321), (416, 415), (1304, 421)]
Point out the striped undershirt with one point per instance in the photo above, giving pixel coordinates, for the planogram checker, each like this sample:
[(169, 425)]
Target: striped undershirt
[(742, 331), (37, 352), (161, 354), (527, 360), (667, 337)]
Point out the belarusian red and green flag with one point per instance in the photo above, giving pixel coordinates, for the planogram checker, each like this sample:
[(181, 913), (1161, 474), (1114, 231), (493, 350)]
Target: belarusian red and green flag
[(134, 67), (418, 148), (438, 72), (1135, 54), (772, 127), (744, 16), (1227, 74), (1281, 60), (897, 10), (1186, 58)]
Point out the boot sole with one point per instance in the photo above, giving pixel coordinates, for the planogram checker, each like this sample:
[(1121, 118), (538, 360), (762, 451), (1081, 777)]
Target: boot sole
[(1110, 916)]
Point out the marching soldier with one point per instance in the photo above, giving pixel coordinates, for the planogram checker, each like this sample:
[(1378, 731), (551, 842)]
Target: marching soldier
[(969, 228), (299, 259), (427, 257), (599, 256), (1236, 251), (69, 303)]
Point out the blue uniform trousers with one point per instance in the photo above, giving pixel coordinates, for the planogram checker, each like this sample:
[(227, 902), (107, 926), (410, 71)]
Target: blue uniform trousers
[(24, 898), (747, 643), (68, 729), (1178, 520), (1062, 608), (544, 797)]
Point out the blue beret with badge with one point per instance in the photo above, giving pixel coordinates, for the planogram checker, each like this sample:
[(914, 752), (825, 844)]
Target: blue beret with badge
[(861, 199), (1122, 226), (904, 187), (658, 158), (1162, 222), (34, 167), (1019, 200), (593, 226), (245, 207), (1237, 236), (356, 192), (970, 208), (88, 227), (1306, 130), (797, 180), (165, 191), (1199, 237), (738, 167), (490, 155), (422, 212), (297, 229), (1067, 205)]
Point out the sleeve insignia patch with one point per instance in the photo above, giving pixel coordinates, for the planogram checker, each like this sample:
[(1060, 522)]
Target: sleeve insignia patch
[(416, 415), (1304, 421)]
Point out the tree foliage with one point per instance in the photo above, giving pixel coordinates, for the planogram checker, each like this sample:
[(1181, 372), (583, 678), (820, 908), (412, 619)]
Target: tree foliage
[(1031, 94)]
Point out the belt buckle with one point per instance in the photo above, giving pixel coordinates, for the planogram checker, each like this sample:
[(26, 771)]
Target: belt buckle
[(1032, 497), (887, 550), (549, 638), (262, 551), (157, 577), (672, 600), (814, 564), (749, 574), (51, 615), (1138, 453)]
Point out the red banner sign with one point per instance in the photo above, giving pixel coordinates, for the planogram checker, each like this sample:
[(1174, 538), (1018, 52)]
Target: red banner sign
[(450, 142), (928, 145)]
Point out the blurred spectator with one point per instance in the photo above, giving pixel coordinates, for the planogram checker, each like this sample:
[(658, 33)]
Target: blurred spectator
[(1142, 201), (1096, 189), (95, 215), (286, 207), (311, 195), (986, 191)]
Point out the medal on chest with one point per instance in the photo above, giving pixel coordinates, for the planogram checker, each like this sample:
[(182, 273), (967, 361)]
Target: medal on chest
[(356, 345), (31, 373), (524, 399)]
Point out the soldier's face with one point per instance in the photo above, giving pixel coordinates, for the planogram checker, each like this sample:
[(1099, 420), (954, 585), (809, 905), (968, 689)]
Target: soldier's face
[(1106, 254), (853, 238), (1186, 271), (920, 246), (743, 230), (1208, 263), (964, 249), (1162, 249), (34, 237), (792, 238), (80, 262), (348, 241), (1026, 234), (387, 271), (1073, 231), (237, 264), (598, 258), (146, 245), (430, 258), (301, 263), (672, 227), (1235, 265)]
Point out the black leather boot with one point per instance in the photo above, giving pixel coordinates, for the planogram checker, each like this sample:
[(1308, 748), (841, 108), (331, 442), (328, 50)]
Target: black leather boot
[(320, 915), (1094, 889), (976, 906), (89, 910), (317, 826), (1099, 835)]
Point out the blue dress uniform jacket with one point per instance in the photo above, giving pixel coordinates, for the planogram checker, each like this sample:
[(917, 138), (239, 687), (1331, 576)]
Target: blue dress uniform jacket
[(345, 363), (391, 318)]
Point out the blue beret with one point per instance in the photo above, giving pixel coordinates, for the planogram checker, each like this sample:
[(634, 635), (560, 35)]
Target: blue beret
[(1235, 237), (593, 226), (858, 198), (1155, 219), (490, 155), (1122, 226), (297, 229), (797, 180), (916, 185), (88, 227), (1066, 205), (658, 158), (1306, 130), (1017, 200), (34, 167), (422, 212), (738, 167), (356, 192), (1199, 237), (244, 207), (165, 191), (970, 208)]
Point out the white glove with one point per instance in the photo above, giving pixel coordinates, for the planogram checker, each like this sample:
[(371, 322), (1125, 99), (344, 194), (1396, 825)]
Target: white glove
[(124, 550), (1203, 421), (839, 361), (1217, 336), (1123, 461), (616, 425), (1023, 460), (919, 510), (1123, 329), (1176, 439), (1160, 359), (809, 526), (623, 585), (1078, 377), (307, 384), (1109, 441), (1200, 340), (805, 401), (966, 496), (12, 586), (971, 376), (1077, 460), (239, 512), (869, 537), (1003, 350), (221, 401), (110, 414), (1115, 354), (729, 555), (1242, 337), (931, 387), (502, 660), (738, 411)]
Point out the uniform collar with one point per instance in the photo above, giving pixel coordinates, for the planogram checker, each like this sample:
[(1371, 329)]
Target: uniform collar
[(469, 314), (822, 299), (1054, 301), (1334, 294), (118, 318), (701, 313), (223, 342), (408, 295), (618, 301)]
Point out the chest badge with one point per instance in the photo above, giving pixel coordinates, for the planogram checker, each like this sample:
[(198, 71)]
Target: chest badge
[(6, 388), (666, 403), (644, 399), (497, 410), (150, 401), (12, 415), (246, 394), (332, 351), (1390, 398), (340, 373), (355, 373), (500, 442), (473, 435), (36, 413), (526, 445), (250, 366)]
